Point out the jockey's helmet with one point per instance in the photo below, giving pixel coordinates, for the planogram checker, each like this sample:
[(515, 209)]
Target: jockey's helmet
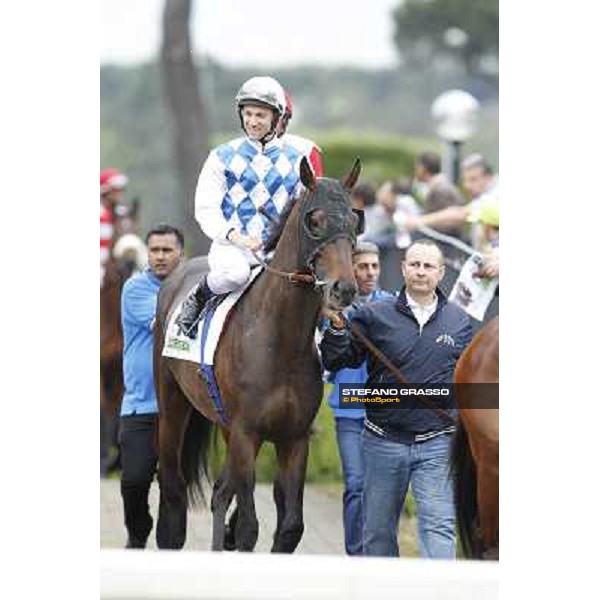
[(262, 91), (111, 179)]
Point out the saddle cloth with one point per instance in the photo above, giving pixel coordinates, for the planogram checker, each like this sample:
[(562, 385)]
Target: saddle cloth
[(182, 347)]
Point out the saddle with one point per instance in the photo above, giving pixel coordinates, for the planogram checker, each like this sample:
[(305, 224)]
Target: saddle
[(211, 323)]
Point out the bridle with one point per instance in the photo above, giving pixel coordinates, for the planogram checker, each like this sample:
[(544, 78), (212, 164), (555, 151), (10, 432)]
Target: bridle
[(292, 276), (343, 223)]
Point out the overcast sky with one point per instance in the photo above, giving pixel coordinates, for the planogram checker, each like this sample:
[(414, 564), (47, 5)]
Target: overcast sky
[(241, 32)]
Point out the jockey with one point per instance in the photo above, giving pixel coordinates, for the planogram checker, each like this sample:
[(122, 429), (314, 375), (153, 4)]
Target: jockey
[(304, 146), (258, 170), (112, 184)]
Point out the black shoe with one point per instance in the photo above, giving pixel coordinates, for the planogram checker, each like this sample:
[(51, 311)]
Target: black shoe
[(192, 307)]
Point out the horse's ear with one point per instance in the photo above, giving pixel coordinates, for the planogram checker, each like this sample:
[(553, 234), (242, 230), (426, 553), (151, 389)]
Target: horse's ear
[(351, 178), (307, 177)]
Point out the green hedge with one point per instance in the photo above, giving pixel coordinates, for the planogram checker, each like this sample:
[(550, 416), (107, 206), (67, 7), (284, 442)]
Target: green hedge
[(383, 157)]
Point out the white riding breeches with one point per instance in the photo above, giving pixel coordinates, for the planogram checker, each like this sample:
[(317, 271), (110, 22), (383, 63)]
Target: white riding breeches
[(229, 267)]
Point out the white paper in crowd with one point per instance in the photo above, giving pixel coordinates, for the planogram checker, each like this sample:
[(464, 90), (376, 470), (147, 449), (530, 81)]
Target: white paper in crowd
[(472, 293)]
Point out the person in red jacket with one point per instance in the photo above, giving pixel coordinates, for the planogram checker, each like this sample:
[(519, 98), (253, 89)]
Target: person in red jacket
[(112, 185)]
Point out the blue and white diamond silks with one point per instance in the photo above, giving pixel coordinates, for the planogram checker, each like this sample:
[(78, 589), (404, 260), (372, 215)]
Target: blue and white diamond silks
[(254, 179)]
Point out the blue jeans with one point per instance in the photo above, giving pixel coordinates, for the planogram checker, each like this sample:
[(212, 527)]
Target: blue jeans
[(389, 468), (349, 434)]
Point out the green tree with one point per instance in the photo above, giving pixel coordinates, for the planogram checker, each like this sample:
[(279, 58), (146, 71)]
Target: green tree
[(465, 30)]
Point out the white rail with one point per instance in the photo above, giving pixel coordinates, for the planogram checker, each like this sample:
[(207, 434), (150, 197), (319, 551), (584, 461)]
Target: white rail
[(206, 575)]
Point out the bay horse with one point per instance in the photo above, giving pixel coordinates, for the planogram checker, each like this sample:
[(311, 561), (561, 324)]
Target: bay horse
[(266, 366), (126, 255), (475, 450)]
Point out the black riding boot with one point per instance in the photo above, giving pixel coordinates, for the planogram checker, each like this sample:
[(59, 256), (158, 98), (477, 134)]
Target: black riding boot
[(191, 309)]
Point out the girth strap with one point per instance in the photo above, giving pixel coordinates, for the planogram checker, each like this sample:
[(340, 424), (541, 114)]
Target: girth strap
[(208, 372)]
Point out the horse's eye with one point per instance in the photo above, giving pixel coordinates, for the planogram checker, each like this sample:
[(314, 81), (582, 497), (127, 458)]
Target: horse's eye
[(317, 223)]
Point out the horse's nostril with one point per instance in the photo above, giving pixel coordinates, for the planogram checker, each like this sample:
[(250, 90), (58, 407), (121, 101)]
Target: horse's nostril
[(344, 291), (349, 293)]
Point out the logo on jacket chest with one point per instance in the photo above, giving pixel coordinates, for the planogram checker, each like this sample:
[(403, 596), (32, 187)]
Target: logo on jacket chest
[(445, 340)]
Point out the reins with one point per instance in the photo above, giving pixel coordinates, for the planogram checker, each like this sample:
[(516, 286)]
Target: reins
[(293, 277), (396, 371)]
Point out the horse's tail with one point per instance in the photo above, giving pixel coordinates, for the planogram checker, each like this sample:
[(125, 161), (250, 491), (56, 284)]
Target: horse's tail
[(195, 455), (464, 474)]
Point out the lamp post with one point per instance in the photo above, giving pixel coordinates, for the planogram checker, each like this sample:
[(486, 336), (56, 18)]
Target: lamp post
[(455, 115)]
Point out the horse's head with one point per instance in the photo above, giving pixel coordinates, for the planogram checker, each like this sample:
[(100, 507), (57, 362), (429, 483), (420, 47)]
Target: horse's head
[(130, 254), (328, 227)]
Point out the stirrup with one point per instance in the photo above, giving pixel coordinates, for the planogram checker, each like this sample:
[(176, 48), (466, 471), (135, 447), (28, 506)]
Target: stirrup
[(190, 331), (196, 303)]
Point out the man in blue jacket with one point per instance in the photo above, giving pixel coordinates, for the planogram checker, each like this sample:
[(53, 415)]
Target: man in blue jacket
[(423, 335), (139, 409), (349, 422)]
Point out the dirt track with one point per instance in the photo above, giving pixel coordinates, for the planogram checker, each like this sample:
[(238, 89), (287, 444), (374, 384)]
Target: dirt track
[(323, 532)]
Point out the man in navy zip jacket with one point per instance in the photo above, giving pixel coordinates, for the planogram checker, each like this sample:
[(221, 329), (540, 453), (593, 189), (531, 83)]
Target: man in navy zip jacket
[(423, 335), (139, 409)]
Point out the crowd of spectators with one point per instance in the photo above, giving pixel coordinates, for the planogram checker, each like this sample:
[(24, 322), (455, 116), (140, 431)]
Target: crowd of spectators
[(396, 211)]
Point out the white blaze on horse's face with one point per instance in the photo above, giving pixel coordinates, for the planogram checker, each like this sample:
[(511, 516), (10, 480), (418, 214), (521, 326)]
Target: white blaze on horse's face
[(257, 121)]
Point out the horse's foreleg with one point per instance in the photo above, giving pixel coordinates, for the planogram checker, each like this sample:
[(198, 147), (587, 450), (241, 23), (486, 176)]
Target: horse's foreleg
[(229, 538), (229, 543), (243, 449), (223, 491), (292, 458), (279, 498), (175, 411)]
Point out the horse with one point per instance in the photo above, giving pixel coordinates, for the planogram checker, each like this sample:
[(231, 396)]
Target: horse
[(475, 451), (127, 255), (267, 368)]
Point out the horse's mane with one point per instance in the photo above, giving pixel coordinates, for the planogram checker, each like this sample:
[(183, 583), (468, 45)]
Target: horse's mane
[(276, 229)]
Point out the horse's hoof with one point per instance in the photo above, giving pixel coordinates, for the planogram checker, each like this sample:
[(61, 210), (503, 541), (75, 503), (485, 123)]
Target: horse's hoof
[(229, 540)]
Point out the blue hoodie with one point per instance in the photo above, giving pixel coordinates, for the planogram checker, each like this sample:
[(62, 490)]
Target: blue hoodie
[(138, 306)]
